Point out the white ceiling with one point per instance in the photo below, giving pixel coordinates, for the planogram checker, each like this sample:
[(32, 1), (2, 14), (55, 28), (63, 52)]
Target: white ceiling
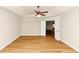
[(29, 10)]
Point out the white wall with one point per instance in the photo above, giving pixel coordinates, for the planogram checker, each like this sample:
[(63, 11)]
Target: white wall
[(9, 28), (69, 24), (30, 26), (43, 28)]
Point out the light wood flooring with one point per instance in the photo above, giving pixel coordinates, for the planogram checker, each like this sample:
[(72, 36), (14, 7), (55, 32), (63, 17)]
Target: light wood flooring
[(37, 44)]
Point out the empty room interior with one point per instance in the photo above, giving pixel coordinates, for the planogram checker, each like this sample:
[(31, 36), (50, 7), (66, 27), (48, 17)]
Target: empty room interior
[(39, 29)]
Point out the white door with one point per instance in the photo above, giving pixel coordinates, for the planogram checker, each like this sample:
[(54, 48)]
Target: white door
[(57, 28)]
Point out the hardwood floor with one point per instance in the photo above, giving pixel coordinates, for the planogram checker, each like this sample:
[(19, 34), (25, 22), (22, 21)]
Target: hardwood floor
[(37, 44)]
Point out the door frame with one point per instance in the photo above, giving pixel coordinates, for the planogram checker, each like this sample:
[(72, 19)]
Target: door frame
[(57, 27), (43, 27)]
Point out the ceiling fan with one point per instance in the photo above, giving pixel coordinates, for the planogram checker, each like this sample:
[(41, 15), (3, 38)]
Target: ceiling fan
[(39, 13)]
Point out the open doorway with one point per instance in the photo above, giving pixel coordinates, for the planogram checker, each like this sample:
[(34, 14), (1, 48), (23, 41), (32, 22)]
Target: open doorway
[(50, 29)]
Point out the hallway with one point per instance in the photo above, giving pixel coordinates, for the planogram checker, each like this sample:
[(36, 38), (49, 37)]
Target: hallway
[(37, 44)]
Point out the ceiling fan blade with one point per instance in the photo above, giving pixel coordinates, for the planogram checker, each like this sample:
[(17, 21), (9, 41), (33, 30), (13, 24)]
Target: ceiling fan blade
[(45, 12), (35, 11), (42, 14), (37, 14)]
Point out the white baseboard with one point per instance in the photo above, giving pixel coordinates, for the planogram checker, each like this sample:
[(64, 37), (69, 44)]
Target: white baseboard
[(9, 42), (70, 46), (31, 35)]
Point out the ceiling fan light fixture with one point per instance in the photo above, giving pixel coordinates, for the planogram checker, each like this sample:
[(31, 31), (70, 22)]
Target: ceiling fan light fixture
[(38, 15)]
